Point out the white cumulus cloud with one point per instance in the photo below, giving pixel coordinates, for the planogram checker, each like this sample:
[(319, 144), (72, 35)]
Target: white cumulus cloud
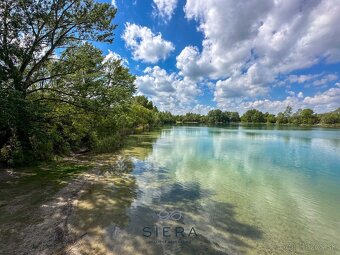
[(164, 9), (248, 44), (302, 78), (326, 101), (145, 45), (300, 95), (169, 91), (327, 78), (320, 102)]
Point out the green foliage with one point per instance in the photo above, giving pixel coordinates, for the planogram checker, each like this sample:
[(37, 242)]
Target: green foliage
[(56, 103), (143, 101), (303, 117), (307, 116), (269, 118), (166, 118), (253, 116), (281, 119), (233, 117), (191, 118), (331, 117), (284, 117), (108, 144), (217, 116)]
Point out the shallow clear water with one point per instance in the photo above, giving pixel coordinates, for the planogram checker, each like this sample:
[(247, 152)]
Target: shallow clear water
[(244, 190)]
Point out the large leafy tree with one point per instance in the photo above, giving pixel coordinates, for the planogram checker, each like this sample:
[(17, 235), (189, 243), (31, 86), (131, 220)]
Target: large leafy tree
[(307, 116), (253, 116), (94, 95), (217, 116), (143, 101), (331, 117), (33, 33), (89, 83)]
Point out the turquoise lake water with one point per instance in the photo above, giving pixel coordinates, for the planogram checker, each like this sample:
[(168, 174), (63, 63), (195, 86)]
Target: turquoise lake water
[(244, 190)]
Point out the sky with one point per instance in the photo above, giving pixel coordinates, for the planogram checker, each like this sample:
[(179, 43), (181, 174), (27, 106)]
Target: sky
[(198, 55)]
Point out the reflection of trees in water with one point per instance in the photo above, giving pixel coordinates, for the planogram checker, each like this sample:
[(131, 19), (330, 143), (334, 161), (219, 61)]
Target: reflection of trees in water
[(141, 146), (333, 142)]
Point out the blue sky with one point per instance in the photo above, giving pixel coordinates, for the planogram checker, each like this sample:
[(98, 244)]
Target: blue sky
[(197, 55)]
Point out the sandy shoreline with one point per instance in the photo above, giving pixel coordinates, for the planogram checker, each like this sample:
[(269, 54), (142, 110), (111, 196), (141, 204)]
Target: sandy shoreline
[(52, 235)]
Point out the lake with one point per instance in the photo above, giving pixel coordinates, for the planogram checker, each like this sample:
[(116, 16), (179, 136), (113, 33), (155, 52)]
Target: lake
[(217, 190)]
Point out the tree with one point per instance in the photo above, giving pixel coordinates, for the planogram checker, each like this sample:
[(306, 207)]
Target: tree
[(288, 111), (331, 117), (234, 117), (284, 117), (281, 119), (166, 118), (143, 101), (253, 116), (307, 116), (32, 34), (217, 116), (269, 118), (97, 91)]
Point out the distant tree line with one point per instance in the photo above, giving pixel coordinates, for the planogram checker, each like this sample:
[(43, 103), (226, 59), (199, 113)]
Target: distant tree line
[(300, 117)]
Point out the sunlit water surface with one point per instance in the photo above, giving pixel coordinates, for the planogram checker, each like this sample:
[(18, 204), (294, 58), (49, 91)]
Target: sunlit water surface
[(244, 190)]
